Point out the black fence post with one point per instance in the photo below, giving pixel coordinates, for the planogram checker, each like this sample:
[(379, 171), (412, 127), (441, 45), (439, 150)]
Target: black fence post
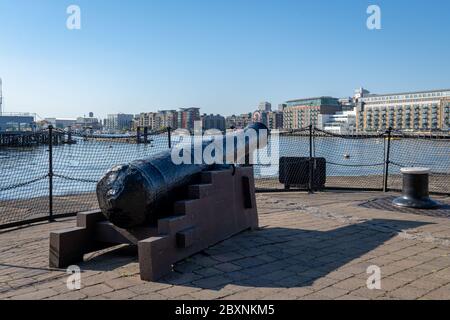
[(50, 173), (145, 135), (138, 135), (69, 135), (169, 134), (387, 161), (311, 166)]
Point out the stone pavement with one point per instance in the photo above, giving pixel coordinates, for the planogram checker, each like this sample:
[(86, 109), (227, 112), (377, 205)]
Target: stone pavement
[(308, 247)]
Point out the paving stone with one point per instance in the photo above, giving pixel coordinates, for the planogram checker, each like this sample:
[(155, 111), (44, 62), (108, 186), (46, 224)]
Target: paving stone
[(176, 278), (367, 293), (205, 261), (148, 287), (96, 290), (323, 282), (17, 292), (278, 275), (291, 281), (72, 295), (211, 282), (36, 295), (252, 294), (332, 292), (122, 283), (122, 294), (298, 292), (408, 293), (392, 283), (97, 278), (150, 296), (442, 293), (297, 254), (279, 296), (228, 267), (424, 284), (314, 296), (350, 284), (207, 294), (174, 292), (227, 257), (351, 297), (249, 262), (208, 272)]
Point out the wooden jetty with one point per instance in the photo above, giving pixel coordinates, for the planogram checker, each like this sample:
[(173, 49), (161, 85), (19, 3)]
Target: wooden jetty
[(28, 139)]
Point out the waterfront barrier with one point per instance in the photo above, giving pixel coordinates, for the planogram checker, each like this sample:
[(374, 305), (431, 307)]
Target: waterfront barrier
[(57, 179)]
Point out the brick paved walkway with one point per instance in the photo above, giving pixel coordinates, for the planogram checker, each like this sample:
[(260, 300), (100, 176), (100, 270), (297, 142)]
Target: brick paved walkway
[(309, 247)]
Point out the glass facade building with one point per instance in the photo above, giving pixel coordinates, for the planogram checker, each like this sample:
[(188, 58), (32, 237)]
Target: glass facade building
[(301, 113)]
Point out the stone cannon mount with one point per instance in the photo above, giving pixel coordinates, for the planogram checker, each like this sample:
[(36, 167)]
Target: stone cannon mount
[(221, 205)]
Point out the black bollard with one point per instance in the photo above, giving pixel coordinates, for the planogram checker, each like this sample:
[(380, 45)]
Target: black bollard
[(415, 189)]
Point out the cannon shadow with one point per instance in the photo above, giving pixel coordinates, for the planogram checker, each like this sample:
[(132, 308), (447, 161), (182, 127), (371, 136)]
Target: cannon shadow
[(284, 257)]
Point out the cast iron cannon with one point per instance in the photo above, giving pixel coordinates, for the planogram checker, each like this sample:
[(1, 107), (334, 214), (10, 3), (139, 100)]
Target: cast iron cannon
[(132, 194)]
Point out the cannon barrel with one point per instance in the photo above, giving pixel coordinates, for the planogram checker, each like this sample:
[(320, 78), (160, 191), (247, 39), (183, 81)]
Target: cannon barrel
[(132, 194)]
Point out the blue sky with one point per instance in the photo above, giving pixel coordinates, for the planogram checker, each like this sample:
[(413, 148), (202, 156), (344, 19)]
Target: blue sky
[(223, 56)]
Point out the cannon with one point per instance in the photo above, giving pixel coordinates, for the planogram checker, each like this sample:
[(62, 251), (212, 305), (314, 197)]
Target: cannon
[(137, 193), (143, 204)]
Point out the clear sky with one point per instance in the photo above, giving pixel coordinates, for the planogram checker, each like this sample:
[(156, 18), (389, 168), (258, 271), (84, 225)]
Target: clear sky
[(223, 56)]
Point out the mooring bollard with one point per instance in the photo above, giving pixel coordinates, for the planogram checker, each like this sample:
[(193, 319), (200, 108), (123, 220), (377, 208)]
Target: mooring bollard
[(415, 189)]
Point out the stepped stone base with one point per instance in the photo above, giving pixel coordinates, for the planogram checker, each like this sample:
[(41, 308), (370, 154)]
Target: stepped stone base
[(222, 205)]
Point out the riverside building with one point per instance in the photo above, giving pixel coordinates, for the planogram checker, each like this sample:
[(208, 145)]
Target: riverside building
[(238, 121), (272, 119), (302, 112), (408, 111), (158, 120), (340, 123), (118, 122), (17, 122), (187, 118), (211, 121)]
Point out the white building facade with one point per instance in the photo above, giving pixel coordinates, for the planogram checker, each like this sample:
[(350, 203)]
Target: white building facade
[(410, 111), (340, 123)]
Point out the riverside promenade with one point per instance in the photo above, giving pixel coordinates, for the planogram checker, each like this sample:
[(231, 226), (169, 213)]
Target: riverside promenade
[(315, 246)]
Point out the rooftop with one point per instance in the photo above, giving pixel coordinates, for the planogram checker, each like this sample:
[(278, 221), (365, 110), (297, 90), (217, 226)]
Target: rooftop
[(17, 114), (313, 98), (405, 93)]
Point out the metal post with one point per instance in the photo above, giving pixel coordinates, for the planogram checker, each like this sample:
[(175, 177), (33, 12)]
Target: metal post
[(311, 166), (69, 135), (387, 161), (247, 152), (169, 134), (138, 135), (145, 135), (50, 173)]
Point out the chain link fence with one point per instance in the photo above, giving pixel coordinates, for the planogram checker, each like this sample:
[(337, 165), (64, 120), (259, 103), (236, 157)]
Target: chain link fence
[(58, 179), (351, 161)]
